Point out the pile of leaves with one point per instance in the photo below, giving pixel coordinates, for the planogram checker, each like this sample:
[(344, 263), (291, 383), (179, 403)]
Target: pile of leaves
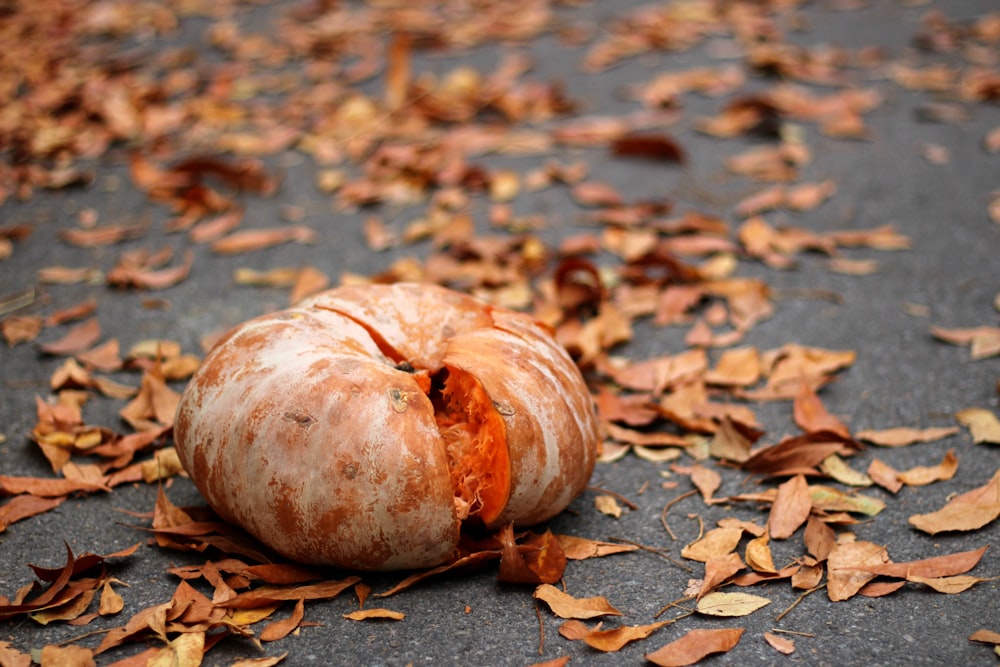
[(202, 140)]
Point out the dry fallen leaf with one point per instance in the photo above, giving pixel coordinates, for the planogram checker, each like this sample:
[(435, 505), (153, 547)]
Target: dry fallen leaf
[(849, 567), (782, 645), (983, 425), (377, 614), (790, 509), (564, 605), (901, 436), (968, 511), (694, 645), (730, 604)]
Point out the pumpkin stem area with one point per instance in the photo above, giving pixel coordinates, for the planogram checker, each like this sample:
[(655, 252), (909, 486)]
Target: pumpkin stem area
[(475, 438)]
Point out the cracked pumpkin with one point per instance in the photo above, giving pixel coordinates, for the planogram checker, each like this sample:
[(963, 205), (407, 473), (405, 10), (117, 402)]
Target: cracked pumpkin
[(363, 427)]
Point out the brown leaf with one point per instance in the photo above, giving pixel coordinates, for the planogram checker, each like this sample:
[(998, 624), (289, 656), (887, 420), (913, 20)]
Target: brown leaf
[(758, 555), (537, 560), (901, 436), (706, 480), (695, 645), (280, 629), (252, 240), (937, 566), (713, 544), (565, 605), (580, 548), (18, 329), (790, 509), (738, 367), (101, 236), (649, 146), (208, 231), (985, 636), (983, 341), (968, 511), (811, 415), (797, 454), (923, 475), (849, 567), (111, 601), (77, 339), (25, 506), (949, 585), (68, 656), (884, 475), (270, 594), (617, 638), (11, 657), (718, 571), (780, 644)]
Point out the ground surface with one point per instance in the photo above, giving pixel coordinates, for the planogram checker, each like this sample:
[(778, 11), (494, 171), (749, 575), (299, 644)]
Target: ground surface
[(923, 166)]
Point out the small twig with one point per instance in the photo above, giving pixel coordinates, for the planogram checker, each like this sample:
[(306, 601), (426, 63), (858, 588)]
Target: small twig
[(666, 508), (92, 633), (676, 603), (779, 631), (622, 499), (541, 631), (798, 600), (659, 551), (22, 299), (787, 293)]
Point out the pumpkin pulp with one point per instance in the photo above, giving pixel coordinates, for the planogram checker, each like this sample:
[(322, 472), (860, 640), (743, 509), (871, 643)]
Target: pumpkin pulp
[(473, 431), (475, 439)]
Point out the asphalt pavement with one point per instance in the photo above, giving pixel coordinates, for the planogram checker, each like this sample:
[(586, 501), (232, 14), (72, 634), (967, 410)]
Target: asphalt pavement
[(922, 164)]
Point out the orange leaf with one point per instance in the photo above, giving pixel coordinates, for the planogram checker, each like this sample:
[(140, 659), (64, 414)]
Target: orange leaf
[(280, 629), (695, 645), (923, 475), (374, 614), (790, 509), (77, 339), (849, 567), (969, 511), (565, 605), (615, 639), (811, 415), (758, 555), (780, 644), (579, 548), (902, 436), (716, 542)]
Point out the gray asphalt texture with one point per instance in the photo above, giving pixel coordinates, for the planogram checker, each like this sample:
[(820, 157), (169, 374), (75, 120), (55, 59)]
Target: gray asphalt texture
[(903, 377)]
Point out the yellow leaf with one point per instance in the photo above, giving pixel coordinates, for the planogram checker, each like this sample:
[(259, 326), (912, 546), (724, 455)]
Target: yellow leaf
[(608, 505), (951, 585), (731, 604), (983, 425), (187, 650)]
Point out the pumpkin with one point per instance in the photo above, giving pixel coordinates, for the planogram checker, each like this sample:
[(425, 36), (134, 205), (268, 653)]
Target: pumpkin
[(365, 426)]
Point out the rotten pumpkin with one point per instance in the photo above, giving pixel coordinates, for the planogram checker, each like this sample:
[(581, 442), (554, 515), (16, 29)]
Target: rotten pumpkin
[(364, 426)]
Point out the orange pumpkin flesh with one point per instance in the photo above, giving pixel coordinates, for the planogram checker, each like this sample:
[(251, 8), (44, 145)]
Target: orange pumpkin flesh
[(475, 438), (364, 426)]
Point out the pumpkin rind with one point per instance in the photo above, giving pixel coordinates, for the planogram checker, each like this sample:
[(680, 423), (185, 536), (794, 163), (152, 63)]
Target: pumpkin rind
[(305, 428)]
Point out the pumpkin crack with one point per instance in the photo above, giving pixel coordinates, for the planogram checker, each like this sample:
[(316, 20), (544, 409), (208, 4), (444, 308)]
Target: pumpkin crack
[(475, 439), (394, 355)]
